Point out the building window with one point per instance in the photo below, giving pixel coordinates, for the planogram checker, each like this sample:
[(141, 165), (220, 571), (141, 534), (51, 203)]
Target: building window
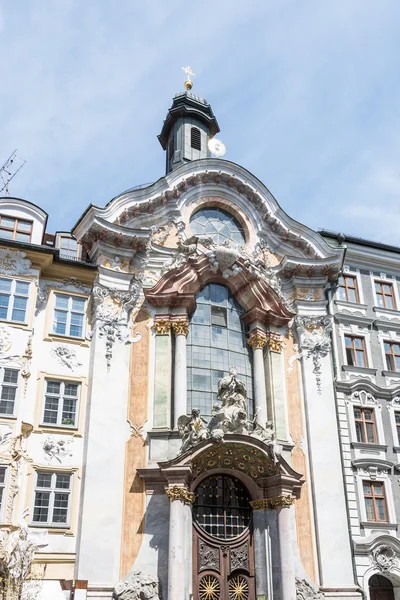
[(13, 299), (60, 403), (392, 353), (375, 502), (216, 342), (218, 225), (69, 315), (171, 148), (3, 472), (365, 425), (195, 138), (15, 229), (348, 290), (9, 387), (52, 498), (385, 294), (68, 248), (397, 421), (355, 351)]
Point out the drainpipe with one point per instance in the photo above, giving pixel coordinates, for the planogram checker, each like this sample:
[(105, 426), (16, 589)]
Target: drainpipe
[(329, 292)]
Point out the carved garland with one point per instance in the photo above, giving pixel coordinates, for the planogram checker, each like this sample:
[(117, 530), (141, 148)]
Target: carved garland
[(180, 493), (272, 503)]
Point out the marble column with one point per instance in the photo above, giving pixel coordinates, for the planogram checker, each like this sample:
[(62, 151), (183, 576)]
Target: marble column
[(262, 566), (181, 329), (257, 341), (281, 507), (162, 380), (180, 499)]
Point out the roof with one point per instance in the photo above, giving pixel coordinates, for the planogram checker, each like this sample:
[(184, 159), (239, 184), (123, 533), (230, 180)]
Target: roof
[(343, 238)]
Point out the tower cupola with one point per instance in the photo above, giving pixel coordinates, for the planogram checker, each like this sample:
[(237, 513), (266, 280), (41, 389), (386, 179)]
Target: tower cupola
[(187, 129)]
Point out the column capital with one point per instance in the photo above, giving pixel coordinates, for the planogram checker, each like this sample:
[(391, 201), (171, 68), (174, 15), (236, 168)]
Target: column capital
[(275, 341), (257, 339), (180, 327), (162, 326), (272, 503), (180, 493)]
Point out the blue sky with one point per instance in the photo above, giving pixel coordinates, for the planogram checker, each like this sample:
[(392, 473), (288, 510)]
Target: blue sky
[(306, 93)]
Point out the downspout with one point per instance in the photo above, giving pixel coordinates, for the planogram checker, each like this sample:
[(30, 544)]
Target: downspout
[(329, 292)]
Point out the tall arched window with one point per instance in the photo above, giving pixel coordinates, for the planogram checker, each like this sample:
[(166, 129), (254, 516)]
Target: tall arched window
[(215, 343)]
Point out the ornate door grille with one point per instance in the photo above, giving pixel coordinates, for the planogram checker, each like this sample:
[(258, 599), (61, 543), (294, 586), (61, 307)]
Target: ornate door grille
[(222, 541)]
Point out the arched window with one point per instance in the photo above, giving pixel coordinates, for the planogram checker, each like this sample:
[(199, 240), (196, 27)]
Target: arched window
[(215, 343), (217, 224), (195, 138)]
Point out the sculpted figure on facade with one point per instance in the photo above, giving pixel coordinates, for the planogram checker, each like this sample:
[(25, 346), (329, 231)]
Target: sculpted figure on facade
[(185, 249), (192, 430), (384, 558), (268, 436), (304, 591), (315, 341), (230, 415), (139, 586)]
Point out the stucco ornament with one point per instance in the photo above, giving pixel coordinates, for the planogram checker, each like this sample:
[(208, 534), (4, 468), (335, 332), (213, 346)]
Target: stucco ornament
[(230, 414), (384, 558), (305, 591), (192, 430), (60, 284), (223, 257), (185, 249), (5, 339), (57, 449), (315, 341), (14, 262), (112, 309), (268, 436), (66, 356), (140, 586)]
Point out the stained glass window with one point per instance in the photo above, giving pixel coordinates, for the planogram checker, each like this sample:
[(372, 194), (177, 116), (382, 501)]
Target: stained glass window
[(216, 342), (217, 224), (222, 506)]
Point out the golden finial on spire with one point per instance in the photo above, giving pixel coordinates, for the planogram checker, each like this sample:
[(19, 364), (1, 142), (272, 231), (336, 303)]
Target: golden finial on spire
[(188, 82)]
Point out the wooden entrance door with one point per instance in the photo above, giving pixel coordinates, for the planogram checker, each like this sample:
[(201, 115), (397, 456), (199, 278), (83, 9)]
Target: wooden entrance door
[(380, 588), (223, 554)]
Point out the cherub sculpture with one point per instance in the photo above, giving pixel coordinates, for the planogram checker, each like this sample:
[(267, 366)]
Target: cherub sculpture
[(192, 430)]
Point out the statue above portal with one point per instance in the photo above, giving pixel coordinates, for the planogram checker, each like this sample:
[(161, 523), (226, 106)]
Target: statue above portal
[(232, 391), (192, 429), (230, 416)]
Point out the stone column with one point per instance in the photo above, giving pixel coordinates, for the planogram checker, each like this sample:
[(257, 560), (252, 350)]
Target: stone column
[(257, 341), (180, 498), (162, 380), (281, 505), (181, 329), (262, 564)]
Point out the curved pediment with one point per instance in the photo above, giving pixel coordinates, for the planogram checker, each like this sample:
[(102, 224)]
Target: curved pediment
[(254, 292)]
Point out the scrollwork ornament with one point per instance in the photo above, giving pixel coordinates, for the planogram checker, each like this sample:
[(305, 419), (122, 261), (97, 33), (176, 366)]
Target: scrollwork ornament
[(180, 493), (272, 503), (315, 341), (384, 558)]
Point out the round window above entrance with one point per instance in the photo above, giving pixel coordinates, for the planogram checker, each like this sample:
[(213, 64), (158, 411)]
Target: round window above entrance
[(222, 507), (217, 224)]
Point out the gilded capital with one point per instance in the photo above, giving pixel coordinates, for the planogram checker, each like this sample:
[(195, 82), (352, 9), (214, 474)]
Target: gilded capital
[(162, 326), (180, 493), (272, 503), (275, 341), (180, 327), (257, 340)]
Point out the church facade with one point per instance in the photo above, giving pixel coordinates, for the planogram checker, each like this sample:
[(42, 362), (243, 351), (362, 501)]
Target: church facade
[(174, 416)]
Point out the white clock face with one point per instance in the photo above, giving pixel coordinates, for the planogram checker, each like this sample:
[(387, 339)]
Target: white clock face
[(216, 147)]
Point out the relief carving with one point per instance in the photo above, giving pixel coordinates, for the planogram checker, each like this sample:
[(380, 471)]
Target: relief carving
[(58, 449), (305, 591), (384, 558), (240, 557), (14, 262), (208, 557), (139, 586), (66, 356)]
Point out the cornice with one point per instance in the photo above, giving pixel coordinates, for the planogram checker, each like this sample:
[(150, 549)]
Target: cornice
[(348, 387)]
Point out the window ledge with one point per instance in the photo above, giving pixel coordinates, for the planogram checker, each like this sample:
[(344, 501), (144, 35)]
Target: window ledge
[(396, 449), (53, 528), (365, 446), (360, 370), (11, 417), (17, 324), (347, 304), (387, 311), (391, 374), (53, 337), (58, 429), (378, 525)]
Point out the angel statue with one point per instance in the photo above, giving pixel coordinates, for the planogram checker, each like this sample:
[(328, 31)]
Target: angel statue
[(192, 430)]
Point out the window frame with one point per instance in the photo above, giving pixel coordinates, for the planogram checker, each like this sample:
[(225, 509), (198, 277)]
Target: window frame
[(392, 354), (355, 350), (373, 483), (3, 486), (61, 398), (53, 491), (15, 386), (12, 294), (381, 283), (61, 250), (346, 287), (15, 229), (364, 423), (67, 335)]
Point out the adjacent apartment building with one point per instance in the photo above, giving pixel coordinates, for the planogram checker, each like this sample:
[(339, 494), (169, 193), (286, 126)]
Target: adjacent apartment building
[(199, 395)]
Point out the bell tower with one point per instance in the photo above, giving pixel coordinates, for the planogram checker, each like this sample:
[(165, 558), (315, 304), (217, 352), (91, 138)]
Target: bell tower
[(189, 125)]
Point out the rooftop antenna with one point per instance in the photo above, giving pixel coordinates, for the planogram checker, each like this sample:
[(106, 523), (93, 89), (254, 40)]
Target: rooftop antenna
[(9, 170)]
